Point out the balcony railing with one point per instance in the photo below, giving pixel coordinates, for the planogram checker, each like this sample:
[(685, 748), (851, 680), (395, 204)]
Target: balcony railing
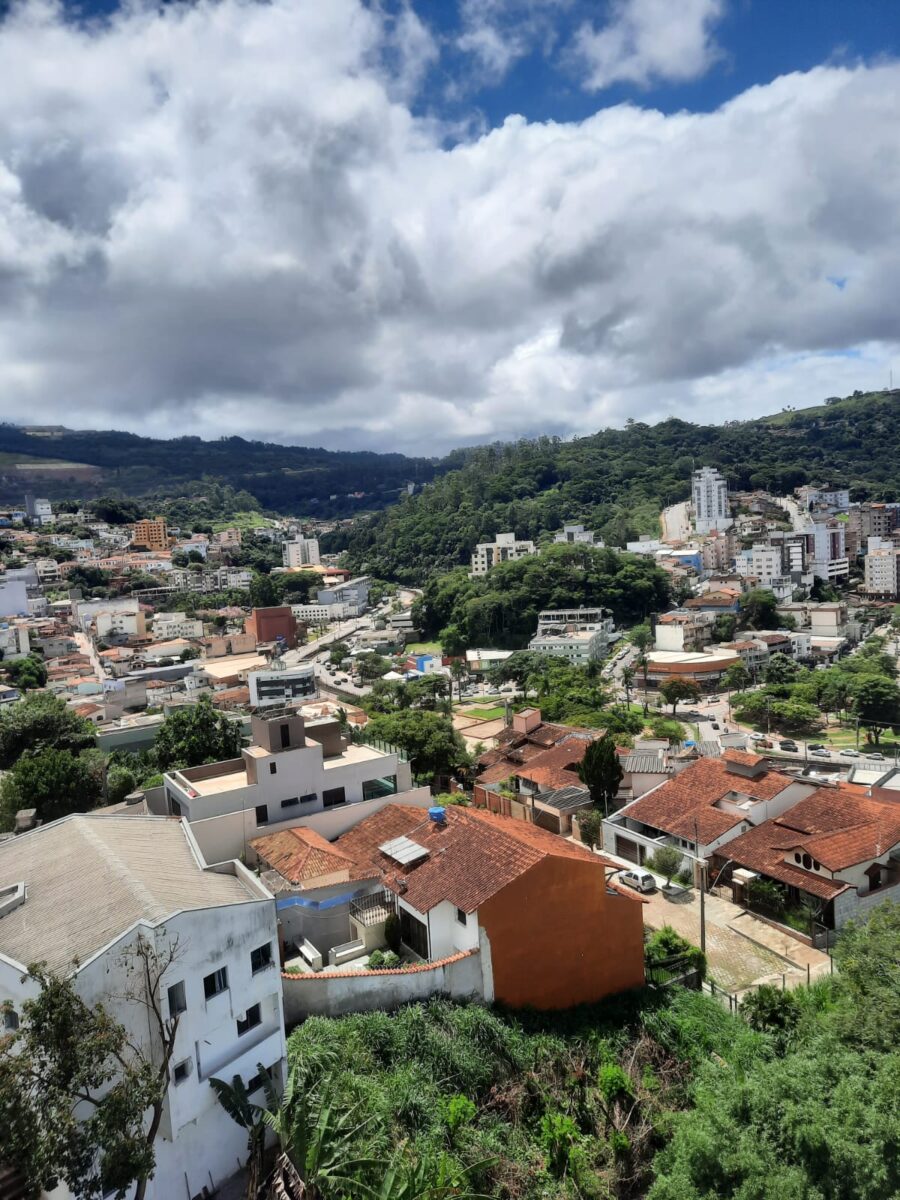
[(374, 909), (367, 739)]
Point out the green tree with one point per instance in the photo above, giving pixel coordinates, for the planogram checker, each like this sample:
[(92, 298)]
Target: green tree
[(264, 592), (867, 955), (601, 772), (433, 745), (590, 826), (666, 862), (371, 666), (459, 673), (724, 627), (54, 782), (758, 609), (41, 722), (82, 1098), (781, 669), (28, 673), (628, 674), (876, 702), (337, 653), (196, 734), (675, 690), (736, 678)]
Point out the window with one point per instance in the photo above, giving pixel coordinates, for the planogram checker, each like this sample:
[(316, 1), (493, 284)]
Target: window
[(462, 917), (414, 933), (254, 1084), (372, 789), (215, 983), (333, 796), (273, 768), (10, 1020), (285, 736), (177, 1001), (262, 814), (308, 798), (261, 957), (290, 803), (181, 1070), (251, 1018)]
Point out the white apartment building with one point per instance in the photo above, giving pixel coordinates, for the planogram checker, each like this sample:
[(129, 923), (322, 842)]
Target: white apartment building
[(230, 577), (834, 499), (353, 595), (506, 548), (38, 510), (47, 570), (118, 624), (79, 894), (882, 567), (680, 630), (14, 641), (579, 647), (282, 685), (84, 611), (292, 769), (761, 562), (830, 561), (323, 614), (710, 500), (301, 552), (577, 534), (13, 596), (176, 625)]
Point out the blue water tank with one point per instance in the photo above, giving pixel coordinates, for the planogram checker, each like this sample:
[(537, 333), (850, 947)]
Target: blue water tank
[(438, 813)]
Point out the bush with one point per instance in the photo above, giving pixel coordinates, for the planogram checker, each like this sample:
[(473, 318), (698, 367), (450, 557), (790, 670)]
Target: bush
[(376, 960), (666, 862), (390, 961), (392, 932), (667, 943)]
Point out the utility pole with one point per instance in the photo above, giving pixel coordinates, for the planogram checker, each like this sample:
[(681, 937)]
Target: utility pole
[(702, 888)]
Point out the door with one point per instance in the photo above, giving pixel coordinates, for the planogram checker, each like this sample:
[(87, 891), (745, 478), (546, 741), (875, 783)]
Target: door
[(414, 933), (626, 848)]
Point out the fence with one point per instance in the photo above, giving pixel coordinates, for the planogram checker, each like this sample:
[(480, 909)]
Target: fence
[(678, 970), (732, 1000)]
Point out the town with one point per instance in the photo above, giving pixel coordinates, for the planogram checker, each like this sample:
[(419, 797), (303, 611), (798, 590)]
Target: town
[(240, 797)]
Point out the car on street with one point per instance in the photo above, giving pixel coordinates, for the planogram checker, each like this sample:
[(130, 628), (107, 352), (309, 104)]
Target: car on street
[(716, 725), (849, 754), (877, 757), (788, 745), (821, 752), (815, 746), (641, 881), (757, 737)]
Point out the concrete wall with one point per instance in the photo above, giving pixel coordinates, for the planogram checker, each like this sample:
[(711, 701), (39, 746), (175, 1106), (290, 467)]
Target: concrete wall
[(851, 906), (459, 977), (226, 837)]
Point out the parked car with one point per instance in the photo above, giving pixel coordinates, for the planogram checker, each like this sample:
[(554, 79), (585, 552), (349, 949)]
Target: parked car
[(716, 725), (641, 881), (788, 745), (876, 756), (849, 754), (821, 752), (757, 737), (815, 746)]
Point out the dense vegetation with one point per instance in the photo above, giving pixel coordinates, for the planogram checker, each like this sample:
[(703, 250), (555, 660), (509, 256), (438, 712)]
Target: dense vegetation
[(665, 1095), (500, 609), (616, 481)]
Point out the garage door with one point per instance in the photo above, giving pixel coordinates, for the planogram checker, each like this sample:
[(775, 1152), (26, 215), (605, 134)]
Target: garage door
[(626, 848)]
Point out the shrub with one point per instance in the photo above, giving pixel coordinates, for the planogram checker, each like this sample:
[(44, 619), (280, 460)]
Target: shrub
[(768, 1009), (376, 960), (392, 932), (390, 961)]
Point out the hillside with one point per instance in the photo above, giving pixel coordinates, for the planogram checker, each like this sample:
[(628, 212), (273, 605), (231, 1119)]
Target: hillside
[(616, 481), (287, 479)]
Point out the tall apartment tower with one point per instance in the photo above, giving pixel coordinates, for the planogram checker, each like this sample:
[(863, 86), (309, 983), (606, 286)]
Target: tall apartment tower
[(151, 533), (301, 552), (710, 495)]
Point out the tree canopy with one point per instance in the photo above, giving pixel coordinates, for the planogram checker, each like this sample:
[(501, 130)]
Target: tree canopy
[(196, 734)]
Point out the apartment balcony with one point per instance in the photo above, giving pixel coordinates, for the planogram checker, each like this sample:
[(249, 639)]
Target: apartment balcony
[(373, 910)]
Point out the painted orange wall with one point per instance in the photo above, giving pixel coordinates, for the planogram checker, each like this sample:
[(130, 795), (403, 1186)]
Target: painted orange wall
[(558, 938)]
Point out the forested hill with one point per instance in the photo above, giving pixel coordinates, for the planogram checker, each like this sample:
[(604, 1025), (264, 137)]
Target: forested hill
[(288, 479), (616, 481)]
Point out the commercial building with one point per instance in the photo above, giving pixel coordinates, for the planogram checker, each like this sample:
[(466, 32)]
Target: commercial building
[(273, 625), (352, 595), (39, 511), (580, 635), (703, 667), (577, 534), (684, 630), (505, 548), (281, 685), (151, 533), (709, 492), (322, 614), (82, 895), (301, 552)]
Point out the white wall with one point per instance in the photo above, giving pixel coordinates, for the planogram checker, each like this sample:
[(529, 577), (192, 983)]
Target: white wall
[(448, 935), (225, 837)]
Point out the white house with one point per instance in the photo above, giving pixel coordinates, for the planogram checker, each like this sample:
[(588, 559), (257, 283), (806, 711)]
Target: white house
[(78, 894)]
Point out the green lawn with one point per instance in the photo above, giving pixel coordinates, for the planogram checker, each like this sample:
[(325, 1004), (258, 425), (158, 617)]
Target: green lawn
[(845, 736), (484, 714), (423, 648), (249, 519)]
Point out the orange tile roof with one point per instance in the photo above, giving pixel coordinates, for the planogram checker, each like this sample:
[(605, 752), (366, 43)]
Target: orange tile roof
[(301, 855), (743, 758), (690, 797), (473, 854)]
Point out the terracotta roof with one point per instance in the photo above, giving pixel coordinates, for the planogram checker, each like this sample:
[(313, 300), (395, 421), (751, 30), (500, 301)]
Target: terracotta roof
[(692, 794), (301, 855), (772, 638), (555, 768), (743, 757), (472, 856)]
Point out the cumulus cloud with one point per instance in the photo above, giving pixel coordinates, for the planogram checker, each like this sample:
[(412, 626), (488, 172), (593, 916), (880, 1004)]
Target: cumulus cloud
[(225, 218), (650, 40)]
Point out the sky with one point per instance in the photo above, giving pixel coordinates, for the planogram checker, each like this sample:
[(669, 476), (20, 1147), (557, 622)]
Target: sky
[(417, 225)]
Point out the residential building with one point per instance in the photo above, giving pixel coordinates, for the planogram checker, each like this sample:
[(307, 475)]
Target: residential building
[(84, 611), (119, 624), (38, 511), (227, 539), (465, 881), (352, 594), (703, 808), (829, 559), (710, 500), (301, 552), (14, 640), (176, 625), (151, 533), (580, 635), (222, 644), (684, 630), (292, 769), (716, 600), (834, 500), (81, 894), (577, 534), (13, 596), (47, 570), (837, 849), (763, 562), (717, 550), (505, 548), (276, 624), (280, 685), (645, 545), (882, 573), (173, 648), (229, 577), (322, 614)]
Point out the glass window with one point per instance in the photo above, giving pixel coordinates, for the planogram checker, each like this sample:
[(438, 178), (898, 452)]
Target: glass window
[(372, 789), (308, 798), (251, 1018), (10, 1020), (261, 957), (262, 814), (181, 1070), (215, 983), (273, 768), (290, 803), (285, 736), (177, 1000), (333, 796), (462, 917)]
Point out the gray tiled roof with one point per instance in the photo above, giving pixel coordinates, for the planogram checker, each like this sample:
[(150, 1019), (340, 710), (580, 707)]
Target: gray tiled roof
[(89, 878)]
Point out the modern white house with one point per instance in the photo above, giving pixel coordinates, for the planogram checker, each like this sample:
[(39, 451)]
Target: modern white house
[(505, 548), (80, 894), (710, 500)]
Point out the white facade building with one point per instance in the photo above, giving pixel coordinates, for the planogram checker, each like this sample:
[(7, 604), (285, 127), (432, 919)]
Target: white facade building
[(762, 562), (14, 641), (830, 561), (282, 685), (322, 614), (13, 597), (78, 894), (301, 552), (176, 625), (710, 499), (577, 534), (506, 548), (579, 647), (882, 567)]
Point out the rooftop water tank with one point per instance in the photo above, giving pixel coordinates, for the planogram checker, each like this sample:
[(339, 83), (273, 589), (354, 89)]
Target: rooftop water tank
[(438, 813)]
